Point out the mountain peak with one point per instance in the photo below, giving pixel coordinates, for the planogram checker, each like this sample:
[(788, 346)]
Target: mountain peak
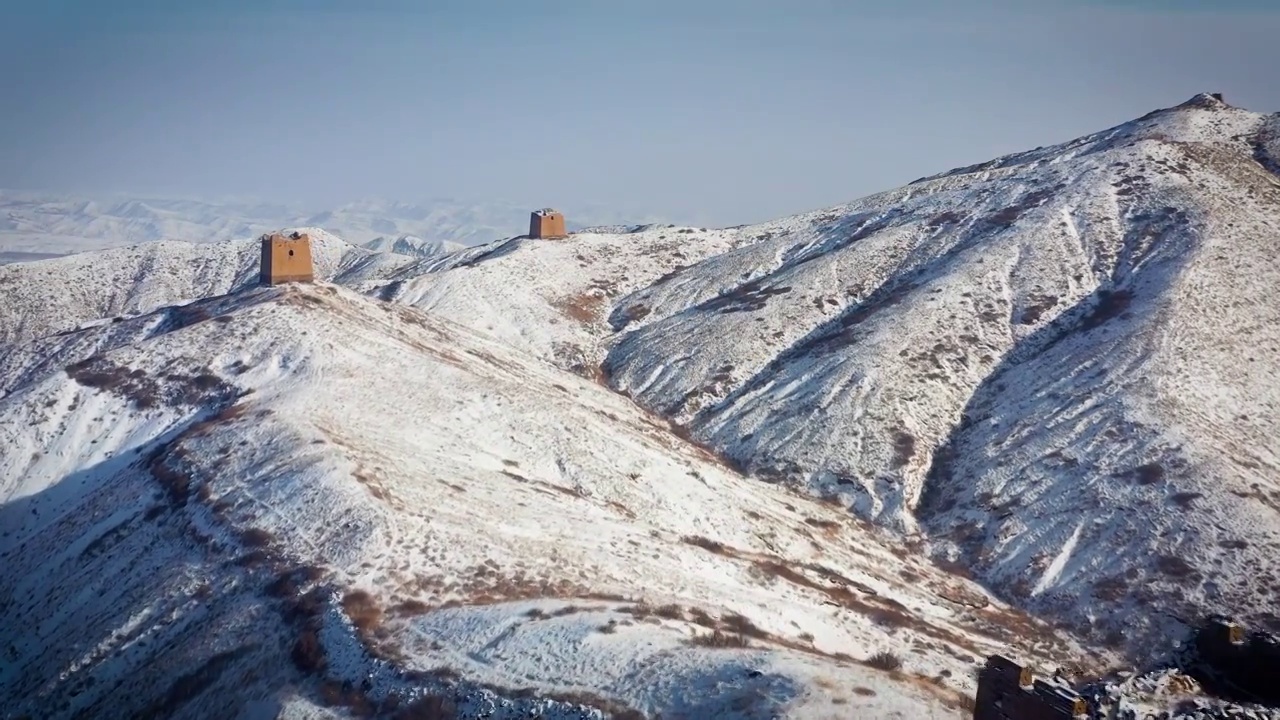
[(1206, 100)]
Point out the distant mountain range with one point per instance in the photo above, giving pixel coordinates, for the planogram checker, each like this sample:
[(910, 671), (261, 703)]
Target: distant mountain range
[(35, 224), (413, 246)]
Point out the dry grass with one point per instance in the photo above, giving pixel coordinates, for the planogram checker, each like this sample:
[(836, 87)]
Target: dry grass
[(256, 538), (1111, 588), (610, 708), (961, 595), (707, 544), (1176, 567), (222, 417), (671, 612), (363, 612), (308, 654), (632, 313), (99, 373), (886, 661), (410, 608), (844, 592), (904, 448), (1110, 304), (829, 526), (288, 583), (432, 707), (176, 482), (719, 639), (585, 308)]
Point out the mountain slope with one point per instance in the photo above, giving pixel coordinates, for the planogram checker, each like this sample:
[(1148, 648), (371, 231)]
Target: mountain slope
[(1054, 366), (551, 298), (250, 501), (1054, 369)]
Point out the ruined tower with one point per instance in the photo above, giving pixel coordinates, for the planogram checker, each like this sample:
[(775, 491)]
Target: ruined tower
[(1009, 691), (546, 223), (286, 259)]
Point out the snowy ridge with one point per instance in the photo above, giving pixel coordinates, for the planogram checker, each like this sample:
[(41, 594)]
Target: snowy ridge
[(566, 288), (413, 246), (59, 294), (489, 524)]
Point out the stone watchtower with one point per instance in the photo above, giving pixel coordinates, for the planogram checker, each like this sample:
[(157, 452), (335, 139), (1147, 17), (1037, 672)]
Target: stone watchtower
[(286, 259), (1009, 691), (546, 223)]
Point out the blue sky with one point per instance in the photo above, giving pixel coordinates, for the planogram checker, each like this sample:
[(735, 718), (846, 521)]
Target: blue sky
[(706, 111)]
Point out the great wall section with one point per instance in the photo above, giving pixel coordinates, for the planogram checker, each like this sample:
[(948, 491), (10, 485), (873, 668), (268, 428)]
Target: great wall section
[(1224, 660)]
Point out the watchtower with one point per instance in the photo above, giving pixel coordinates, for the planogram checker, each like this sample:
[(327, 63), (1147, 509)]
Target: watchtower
[(546, 223), (286, 259), (1244, 661), (1009, 691)]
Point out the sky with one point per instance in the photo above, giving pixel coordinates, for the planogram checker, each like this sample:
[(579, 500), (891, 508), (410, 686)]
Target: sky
[(712, 112)]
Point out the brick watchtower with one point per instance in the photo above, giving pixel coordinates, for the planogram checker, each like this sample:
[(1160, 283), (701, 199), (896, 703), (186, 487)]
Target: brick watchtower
[(286, 259), (1009, 691), (546, 223)]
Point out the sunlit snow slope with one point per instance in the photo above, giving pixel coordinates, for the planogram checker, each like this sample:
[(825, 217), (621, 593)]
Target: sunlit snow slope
[(1058, 367)]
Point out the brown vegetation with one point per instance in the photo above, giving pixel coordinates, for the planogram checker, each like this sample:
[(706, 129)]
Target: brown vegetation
[(1176, 567), (431, 707), (134, 385), (585, 308), (308, 653), (707, 544), (718, 639), (1110, 304), (885, 661), (904, 448), (363, 612)]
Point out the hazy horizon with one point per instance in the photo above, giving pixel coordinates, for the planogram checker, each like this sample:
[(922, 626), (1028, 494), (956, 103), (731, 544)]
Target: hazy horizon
[(712, 112)]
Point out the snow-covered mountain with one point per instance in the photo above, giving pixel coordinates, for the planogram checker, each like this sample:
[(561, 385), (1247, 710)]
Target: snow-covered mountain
[(54, 224), (1053, 372), (55, 295), (1057, 368), (254, 499), (413, 246)]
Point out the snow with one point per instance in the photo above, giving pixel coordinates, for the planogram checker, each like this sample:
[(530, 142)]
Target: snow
[(983, 359), (1054, 571), (1055, 369), (440, 470)]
